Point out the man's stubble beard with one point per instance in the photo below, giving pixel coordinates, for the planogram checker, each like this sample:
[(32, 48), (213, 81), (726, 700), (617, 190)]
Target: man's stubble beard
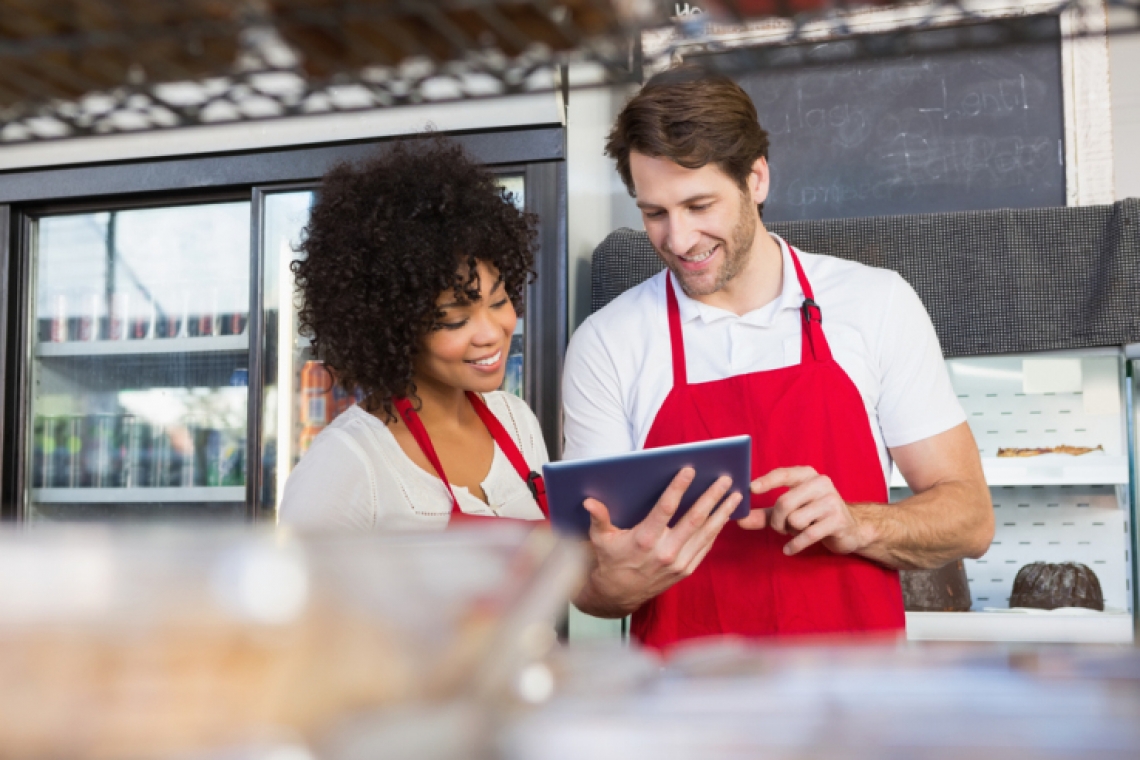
[(737, 250)]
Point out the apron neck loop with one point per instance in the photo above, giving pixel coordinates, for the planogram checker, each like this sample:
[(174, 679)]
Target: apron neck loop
[(506, 444), (498, 433), (416, 427), (813, 344), (676, 339)]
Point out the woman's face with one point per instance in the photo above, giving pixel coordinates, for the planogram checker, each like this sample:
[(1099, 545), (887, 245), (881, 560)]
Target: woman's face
[(469, 348)]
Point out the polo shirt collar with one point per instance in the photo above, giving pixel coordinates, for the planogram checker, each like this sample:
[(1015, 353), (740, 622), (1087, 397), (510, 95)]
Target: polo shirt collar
[(791, 297)]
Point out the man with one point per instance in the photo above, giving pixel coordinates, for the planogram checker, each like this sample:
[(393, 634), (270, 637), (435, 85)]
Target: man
[(832, 367)]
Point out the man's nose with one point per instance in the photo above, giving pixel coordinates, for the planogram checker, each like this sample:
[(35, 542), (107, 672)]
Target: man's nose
[(683, 234)]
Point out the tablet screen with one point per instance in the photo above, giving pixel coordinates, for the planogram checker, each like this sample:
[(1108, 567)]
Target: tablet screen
[(630, 484)]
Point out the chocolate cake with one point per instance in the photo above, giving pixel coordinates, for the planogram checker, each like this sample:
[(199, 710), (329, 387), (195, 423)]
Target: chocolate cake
[(1047, 586), (943, 590)]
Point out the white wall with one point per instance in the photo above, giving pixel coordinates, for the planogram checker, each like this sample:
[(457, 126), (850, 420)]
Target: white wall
[(1124, 80), (359, 125), (597, 200)]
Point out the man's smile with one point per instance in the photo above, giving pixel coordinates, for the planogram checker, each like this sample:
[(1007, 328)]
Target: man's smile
[(693, 260)]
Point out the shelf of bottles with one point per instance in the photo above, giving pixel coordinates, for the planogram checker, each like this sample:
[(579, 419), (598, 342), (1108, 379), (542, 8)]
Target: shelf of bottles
[(139, 364), (301, 396)]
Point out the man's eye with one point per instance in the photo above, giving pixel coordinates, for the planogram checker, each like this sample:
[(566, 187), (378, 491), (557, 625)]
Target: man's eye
[(700, 207), (654, 214)]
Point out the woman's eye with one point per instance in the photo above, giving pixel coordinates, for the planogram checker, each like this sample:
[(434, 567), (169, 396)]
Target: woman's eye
[(451, 325), (500, 304)]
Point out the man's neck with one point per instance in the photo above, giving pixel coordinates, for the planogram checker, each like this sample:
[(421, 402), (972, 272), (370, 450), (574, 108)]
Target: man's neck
[(756, 285)]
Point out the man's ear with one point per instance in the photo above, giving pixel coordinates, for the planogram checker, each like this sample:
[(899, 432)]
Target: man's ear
[(758, 180)]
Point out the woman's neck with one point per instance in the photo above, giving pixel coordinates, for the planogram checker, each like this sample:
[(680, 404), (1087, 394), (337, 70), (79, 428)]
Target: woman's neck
[(442, 406)]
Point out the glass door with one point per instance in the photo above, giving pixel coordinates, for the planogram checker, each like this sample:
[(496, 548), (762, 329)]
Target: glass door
[(139, 363), (300, 398)]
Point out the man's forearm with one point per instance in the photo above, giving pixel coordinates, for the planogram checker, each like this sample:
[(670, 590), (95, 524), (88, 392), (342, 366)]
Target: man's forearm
[(930, 529)]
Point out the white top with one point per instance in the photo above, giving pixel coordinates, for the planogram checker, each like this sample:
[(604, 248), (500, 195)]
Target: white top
[(618, 369), (355, 475)]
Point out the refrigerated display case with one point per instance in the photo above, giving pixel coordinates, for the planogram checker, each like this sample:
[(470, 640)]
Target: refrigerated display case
[(138, 362), (1049, 506), (152, 365)]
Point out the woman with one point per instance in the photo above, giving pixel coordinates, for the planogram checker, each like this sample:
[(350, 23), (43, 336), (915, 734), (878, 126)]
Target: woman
[(410, 290)]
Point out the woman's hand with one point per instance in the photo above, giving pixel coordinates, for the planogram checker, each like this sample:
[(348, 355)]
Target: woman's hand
[(629, 567)]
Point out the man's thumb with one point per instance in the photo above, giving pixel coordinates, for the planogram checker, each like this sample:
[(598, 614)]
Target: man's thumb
[(599, 515)]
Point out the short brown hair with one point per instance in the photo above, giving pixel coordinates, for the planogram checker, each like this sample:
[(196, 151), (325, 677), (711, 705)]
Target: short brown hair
[(691, 116)]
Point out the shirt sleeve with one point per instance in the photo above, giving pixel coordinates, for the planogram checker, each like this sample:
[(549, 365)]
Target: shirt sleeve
[(917, 399), (594, 419), (331, 487)]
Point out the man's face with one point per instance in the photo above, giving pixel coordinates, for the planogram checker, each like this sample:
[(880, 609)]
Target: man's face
[(700, 222)]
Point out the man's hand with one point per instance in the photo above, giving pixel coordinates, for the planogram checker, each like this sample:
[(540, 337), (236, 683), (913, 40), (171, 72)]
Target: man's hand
[(948, 517), (811, 510), (629, 567)]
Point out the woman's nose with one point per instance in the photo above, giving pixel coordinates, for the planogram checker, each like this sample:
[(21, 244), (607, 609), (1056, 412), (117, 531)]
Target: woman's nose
[(489, 327)]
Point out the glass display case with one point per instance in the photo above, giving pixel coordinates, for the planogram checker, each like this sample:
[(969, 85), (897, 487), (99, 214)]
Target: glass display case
[(1052, 432), (139, 362)]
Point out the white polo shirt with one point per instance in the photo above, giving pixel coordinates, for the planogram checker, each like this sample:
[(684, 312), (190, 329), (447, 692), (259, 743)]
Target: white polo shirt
[(618, 369)]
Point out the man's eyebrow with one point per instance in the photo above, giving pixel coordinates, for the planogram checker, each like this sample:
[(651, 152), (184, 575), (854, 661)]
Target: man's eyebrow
[(686, 201)]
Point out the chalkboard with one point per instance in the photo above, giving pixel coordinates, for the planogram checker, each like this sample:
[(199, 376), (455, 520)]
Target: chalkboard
[(949, 130)]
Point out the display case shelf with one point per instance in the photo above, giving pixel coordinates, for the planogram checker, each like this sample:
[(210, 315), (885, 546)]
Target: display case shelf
[(194, 494), (212, 344), (1048, 627), (1049, 470)]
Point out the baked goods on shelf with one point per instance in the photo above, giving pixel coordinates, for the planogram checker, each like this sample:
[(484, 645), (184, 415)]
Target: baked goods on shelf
[(1075, 451), (1047, 586), (943, 590)]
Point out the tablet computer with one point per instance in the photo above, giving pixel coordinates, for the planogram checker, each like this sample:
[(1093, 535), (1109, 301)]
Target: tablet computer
[(630, 484)]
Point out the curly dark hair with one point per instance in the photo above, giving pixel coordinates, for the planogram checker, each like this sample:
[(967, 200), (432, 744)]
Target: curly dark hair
[(385, 238)]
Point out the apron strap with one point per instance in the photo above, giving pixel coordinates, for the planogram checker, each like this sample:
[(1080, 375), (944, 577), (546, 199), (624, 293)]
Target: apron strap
[(813, 344), (533, 480), (423, 440), (498, 433), (676, 338)]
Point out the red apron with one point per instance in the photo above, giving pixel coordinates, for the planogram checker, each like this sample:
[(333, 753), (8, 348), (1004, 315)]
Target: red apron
[(807, 414), (498, 434)]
